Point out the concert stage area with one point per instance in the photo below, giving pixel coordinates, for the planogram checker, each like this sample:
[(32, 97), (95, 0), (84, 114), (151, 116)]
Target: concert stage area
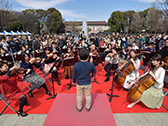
[(63, 112)]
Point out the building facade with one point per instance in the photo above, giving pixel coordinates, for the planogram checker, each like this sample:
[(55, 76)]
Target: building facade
[(93, 26)]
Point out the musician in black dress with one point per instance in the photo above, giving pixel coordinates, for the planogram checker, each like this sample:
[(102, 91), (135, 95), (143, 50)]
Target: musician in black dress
[(49, 61)]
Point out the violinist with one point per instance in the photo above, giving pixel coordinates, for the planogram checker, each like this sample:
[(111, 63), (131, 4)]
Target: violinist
[(9, 88), (111, 61), (126, 53), (151, 96), (31, 76), (135, 73), (56, 49), (93, 50), (67, 71), (48, 63)]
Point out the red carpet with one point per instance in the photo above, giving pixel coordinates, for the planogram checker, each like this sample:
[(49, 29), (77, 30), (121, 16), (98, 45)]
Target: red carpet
[(38, 104), (63, 112)]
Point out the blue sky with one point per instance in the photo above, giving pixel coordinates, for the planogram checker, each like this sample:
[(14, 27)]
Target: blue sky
[(77, 10)]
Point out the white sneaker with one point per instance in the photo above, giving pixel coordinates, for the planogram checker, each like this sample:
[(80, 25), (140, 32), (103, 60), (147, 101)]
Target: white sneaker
[(130, 105)]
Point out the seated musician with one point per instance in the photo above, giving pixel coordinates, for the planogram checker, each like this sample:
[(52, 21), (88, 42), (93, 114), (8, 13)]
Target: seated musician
[(126, 52), (111, 61), (151, 96), (93, 50), (9, 88), (31, 76), (129, 81), (49, 61), (150, 48), (56, 49), (67, 72), (95, 53)]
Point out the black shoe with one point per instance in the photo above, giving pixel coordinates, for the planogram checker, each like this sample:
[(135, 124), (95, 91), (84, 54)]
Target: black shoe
[(23, 114), (67, 77), (79, 110), (107, 79), (88, 109), (48, 93), (27, 104), (30, 95)]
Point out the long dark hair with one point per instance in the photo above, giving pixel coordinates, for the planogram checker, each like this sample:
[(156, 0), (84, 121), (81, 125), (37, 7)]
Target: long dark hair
[(135, 51), (22, 57), (156, 57)]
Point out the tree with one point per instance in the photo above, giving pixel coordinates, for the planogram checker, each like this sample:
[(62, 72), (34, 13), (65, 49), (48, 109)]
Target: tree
[(54, 20), (127, 20), (137, 22), (116, 21), (153, 20), (15, 25), (5, 14), (163, 6), (72, 27)]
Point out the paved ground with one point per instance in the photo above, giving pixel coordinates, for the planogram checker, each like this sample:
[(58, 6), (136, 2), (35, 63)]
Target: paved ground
[(127, 119)]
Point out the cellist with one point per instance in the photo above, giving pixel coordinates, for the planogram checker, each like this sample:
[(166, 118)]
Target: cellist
[(151, 96), (135, 73)]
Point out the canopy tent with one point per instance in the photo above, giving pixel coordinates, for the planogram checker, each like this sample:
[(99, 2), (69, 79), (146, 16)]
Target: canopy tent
[(1, 34), (6, 33), (23, 33), (28, 33), (13, 33), (18, 33)]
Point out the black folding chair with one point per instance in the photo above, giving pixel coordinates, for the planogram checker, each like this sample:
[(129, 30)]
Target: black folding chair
[(7, 102)]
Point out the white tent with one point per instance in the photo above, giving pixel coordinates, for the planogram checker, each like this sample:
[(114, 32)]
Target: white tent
[(6, 33), (1, 34), (28, 33), (13, 33), (23, 33), (18, 33)]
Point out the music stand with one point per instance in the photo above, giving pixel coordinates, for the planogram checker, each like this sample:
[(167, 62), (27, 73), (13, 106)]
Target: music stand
[(96, 60), (51, 69), (101, 49), (111, 94), (64, 50), (69, 62)]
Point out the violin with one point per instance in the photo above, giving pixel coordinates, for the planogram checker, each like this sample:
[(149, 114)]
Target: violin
[(37, 60), (94, 52)]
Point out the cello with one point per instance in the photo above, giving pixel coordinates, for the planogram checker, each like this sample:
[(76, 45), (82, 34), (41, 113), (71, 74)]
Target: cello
[(120, 77), (145, 82), (166, 75)]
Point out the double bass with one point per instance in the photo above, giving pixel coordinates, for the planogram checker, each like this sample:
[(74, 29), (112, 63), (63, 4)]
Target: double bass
[(120, 77), (145, 82)]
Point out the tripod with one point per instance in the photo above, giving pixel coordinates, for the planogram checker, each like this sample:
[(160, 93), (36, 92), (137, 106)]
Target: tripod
[(51, 69), (69, 62), (96, 60), (111, 94)]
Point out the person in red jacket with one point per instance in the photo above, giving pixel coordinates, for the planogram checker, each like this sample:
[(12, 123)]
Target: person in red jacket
[(9, 88)]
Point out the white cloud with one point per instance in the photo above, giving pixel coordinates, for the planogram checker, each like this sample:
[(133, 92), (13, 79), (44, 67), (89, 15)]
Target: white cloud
[(41, 4), (148, 1), (72, 14)]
